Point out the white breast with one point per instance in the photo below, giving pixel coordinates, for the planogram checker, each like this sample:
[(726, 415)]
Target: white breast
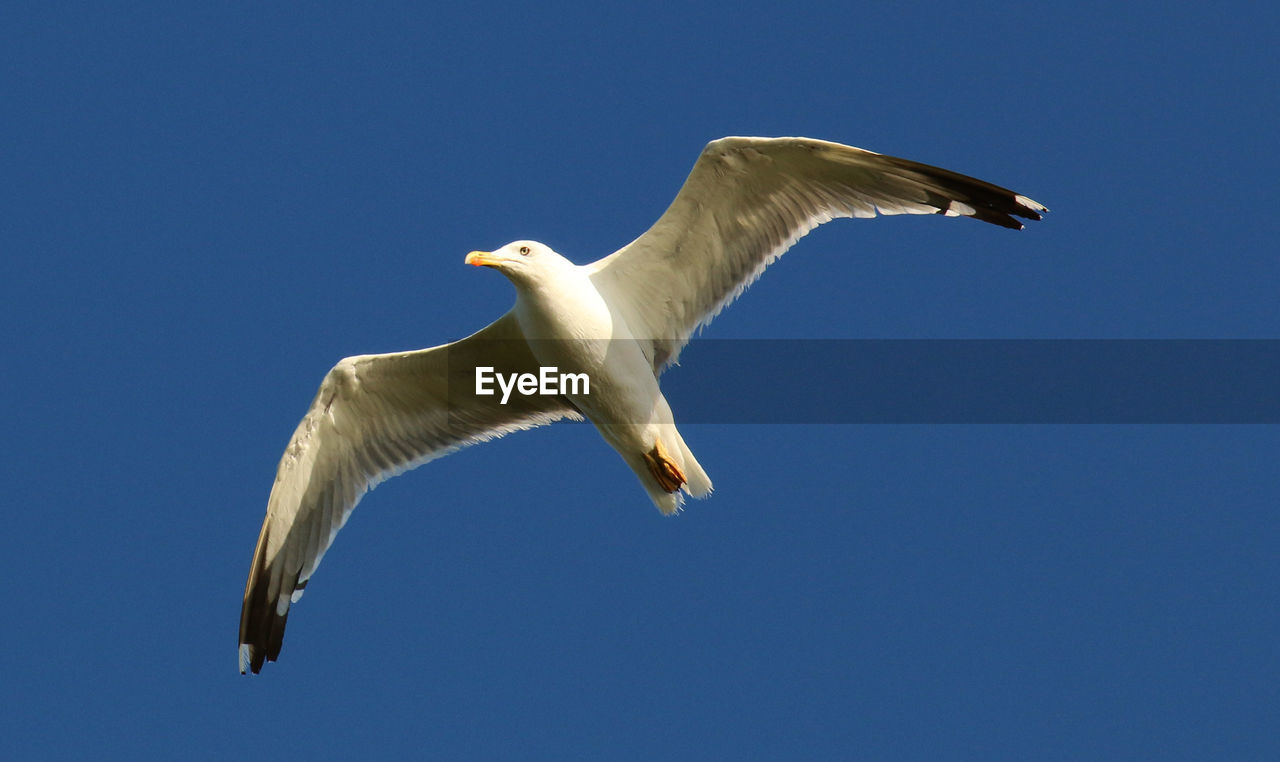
[(570, 326)]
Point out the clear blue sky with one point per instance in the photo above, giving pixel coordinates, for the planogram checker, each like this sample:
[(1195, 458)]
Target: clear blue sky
[(204, 206)]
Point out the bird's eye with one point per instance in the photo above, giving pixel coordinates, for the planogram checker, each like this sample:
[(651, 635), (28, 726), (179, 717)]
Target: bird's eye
[(524, 251)]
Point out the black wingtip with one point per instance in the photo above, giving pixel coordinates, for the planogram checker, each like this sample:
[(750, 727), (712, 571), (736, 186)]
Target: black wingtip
[(988, 202), (1002, 207), (261, 627), (265, 641)]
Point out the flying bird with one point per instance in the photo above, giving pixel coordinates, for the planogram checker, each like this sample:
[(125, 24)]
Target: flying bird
[(614, 324)]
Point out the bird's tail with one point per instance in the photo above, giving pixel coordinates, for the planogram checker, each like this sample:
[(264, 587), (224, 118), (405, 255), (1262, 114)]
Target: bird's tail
[(698, 484)]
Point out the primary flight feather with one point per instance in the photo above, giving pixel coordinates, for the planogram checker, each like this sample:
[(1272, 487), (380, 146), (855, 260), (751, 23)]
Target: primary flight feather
[(619, 321)]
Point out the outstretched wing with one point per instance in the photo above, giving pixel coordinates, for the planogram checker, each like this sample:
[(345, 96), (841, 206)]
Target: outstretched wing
[(747, 201), (374, 417)]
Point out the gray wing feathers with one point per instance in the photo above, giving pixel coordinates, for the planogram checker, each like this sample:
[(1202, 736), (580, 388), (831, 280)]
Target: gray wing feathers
[(374, 416)]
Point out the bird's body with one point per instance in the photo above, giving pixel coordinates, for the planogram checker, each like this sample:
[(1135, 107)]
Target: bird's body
[(570, 326), (619, 322)]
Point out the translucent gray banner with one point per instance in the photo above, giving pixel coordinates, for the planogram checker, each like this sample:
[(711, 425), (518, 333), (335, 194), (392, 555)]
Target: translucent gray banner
[(968, 381)]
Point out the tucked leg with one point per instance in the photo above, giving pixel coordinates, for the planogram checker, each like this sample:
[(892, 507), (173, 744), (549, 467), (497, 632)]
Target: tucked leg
[(664, 470)]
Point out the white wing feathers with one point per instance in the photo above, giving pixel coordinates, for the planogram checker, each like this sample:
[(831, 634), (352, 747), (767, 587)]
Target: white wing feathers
[(747, 201), (375, 416)]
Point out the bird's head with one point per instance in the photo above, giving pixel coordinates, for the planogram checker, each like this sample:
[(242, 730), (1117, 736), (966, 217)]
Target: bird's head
[(524, 262)]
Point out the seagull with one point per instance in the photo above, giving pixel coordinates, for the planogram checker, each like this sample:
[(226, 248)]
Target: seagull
[(614, 325)]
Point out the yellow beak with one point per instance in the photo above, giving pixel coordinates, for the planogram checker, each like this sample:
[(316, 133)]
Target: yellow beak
[(481, 259)]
